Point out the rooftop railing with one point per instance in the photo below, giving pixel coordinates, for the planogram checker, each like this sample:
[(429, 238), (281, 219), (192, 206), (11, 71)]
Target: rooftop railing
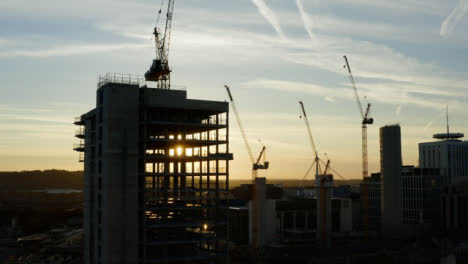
[(120, 78), (126, 78)]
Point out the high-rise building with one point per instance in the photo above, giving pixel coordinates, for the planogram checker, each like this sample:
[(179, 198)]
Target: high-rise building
[(390, 165), (420, 194), (449, 154), (156, 171)]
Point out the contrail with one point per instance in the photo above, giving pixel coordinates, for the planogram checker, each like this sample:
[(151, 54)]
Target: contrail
[(429, 124), (308, 23), (270, 16), (454, 18)]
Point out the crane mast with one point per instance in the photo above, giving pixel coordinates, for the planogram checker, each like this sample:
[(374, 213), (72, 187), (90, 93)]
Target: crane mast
[(160, 71), (366, 120)]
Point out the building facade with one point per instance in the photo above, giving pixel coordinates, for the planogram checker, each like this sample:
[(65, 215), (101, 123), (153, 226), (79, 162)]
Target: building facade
[(156, 170), (454, 208), (420, 192), (374, 203), (449, 154)]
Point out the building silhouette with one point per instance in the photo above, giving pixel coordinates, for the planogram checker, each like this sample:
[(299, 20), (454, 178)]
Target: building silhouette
[(374, 203), (156, 173), (390, 165), (420, 196)]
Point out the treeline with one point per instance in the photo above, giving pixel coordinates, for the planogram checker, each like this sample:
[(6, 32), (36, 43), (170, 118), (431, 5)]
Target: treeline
[(39, 180)]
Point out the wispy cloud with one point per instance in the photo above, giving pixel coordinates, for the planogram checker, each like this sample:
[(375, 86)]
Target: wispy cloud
[(437, 117), (398, 110), (270, 16), (376, 92), (70, 50), (300, 87), (454, 18), (308, 22), (330, 99)]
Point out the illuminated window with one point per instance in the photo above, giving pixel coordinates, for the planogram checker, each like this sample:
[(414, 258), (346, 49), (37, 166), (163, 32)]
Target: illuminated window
[(149, 167), (188, 152), (188, 167), (171, 136), (179, 137), (179, 151), (171, 152)]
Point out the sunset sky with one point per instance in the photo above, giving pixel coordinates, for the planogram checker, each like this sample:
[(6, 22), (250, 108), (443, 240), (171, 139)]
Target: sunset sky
[(409, 58)]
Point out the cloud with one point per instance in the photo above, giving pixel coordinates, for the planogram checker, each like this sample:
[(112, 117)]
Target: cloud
[(437, 117), (330, 99), (375, 92), (71, 50), (454, 18), (398, 110), (308, 23), (301, 87), (427, 7), (270, 16)]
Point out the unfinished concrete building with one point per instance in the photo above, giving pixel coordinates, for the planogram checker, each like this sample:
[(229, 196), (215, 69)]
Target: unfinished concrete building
[(156, 173)]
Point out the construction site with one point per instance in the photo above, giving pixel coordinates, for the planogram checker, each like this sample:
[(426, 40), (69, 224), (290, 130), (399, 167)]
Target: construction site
[(157, 187)]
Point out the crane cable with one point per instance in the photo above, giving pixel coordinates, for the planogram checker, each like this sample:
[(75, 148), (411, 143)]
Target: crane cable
[(159, 13)]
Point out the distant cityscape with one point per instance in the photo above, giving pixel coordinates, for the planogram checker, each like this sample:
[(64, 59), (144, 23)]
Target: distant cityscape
[(156, 188)]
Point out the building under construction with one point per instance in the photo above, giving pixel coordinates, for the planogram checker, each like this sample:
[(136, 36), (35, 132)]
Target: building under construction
[(156, 172)]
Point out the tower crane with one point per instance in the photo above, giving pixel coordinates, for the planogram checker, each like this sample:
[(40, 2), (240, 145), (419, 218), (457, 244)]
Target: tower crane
[(312, 144), (159, 71), (323, 183), (317, 160), (256, 165), (366, 120)]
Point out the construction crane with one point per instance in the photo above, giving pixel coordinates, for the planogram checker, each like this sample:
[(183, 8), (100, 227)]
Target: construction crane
[(312, 143), (317, 160), (323, 182), (366, 120), (159, 71), (327, 166), (256, 165)]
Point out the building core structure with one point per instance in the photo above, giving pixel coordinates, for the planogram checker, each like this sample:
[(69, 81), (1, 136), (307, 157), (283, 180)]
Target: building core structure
[(156, 174)]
